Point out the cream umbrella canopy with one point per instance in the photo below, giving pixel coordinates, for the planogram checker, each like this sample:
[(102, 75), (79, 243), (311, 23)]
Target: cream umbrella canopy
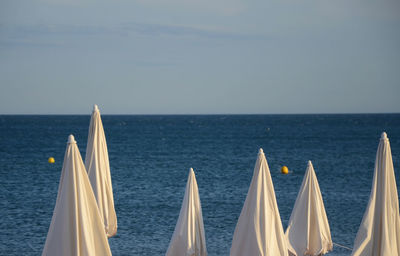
[(98, 168), (188, 238), (308, 231), (259, 229), (76, 227), (379, 232)]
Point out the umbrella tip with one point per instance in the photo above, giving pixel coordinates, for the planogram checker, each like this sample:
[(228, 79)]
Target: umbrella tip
[(261, 151), (95, 108), (71, 139), (309, 163), (384, 136)]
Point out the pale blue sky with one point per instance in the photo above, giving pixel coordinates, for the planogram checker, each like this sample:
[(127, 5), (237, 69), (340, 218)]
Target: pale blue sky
[(199, 56)]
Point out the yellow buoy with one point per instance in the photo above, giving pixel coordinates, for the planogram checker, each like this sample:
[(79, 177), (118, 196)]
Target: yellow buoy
[(51, 160), (284, 170)]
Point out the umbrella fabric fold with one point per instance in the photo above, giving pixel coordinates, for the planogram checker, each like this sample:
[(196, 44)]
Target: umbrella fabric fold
[(188, 238), (379, 232), (98, 168), (308, 231), (259, 229), (76, 227)]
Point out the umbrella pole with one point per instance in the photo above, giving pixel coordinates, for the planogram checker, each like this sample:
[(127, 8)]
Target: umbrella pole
[(344, 247)]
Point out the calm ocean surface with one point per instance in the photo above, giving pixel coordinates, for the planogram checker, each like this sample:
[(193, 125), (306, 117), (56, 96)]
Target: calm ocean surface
[(150, 157)]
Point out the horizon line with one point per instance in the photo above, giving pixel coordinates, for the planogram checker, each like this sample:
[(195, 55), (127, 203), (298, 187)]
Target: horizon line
[(210, 114)]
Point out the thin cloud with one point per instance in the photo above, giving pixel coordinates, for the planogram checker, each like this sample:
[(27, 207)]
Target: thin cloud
[(177, 30), (27, 33)]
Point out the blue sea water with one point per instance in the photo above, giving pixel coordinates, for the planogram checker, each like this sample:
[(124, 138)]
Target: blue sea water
[(150, 157)]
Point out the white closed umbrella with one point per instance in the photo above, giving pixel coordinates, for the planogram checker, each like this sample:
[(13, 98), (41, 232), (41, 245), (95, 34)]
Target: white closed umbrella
[(98, 168), (76, 226), (379, 232), (308, 230), (259, 229), (188, 238)]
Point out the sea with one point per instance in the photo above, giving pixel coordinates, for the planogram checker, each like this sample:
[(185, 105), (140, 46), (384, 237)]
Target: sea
[(150, 157)]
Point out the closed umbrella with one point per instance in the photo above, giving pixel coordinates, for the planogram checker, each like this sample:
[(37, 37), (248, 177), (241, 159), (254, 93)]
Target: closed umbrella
[(259, 229), (308, 230), (379, 232), (98, 168), (188, 238), (76, 227)]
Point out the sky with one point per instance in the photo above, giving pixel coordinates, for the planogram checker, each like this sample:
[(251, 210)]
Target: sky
[(199, 56)]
